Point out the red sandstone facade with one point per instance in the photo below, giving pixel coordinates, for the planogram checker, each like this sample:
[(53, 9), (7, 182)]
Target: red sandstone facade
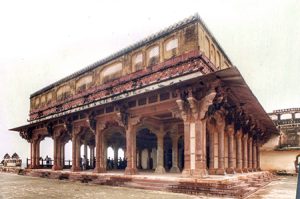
[(175, 91)]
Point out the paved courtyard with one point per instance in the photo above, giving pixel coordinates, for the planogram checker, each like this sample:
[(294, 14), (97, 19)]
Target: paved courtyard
[(14, 186)]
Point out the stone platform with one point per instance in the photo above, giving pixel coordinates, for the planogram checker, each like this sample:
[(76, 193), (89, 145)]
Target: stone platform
[(233, 186)]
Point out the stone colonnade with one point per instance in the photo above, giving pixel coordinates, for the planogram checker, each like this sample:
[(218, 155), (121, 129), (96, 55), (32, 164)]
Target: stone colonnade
[(243, 152), (230, 149)]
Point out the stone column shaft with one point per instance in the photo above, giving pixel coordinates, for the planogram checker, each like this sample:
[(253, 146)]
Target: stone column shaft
[(200, 148), (250, 154), (245, 153), (175, 168), (254, 155), (56, 162), (211, 151), (75, 143), (258, 157), (73, 153), (160, 152), (92, 156), (221, 150), (37, 153), (100, 164), (187, 153), (131, 150), (239, 163), (32, 151), (116, 157), (230, 132), (78, 153)]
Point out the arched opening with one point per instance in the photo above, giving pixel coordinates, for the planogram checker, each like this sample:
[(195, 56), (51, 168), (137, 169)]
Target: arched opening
[(46, 153), (146, 142), (67, 155), (167, 152), (286, 116), (115, 142), (86, 140), (110, 158)]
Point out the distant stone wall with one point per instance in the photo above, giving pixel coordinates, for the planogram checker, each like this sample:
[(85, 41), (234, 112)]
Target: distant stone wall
[(279, 160)]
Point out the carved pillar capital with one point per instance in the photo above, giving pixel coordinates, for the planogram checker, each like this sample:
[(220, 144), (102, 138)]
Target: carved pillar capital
[(245, 136), (230, 129), (183, 109), (239, 134)]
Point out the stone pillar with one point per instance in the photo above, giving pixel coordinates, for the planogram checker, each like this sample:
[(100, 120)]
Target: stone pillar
[(230, 132), (245, 153), (115, 147), (37, 153), (92, 154), (187, 159), (211, 170), (78, 152), (32, 153), (226, 147), (100, 163), (254, 155), (56, 143), (174, 168), (131, 150), (200, 148), (250, 154), (75, 166), (221, 149), (62, 155), (239, 163), (140, 159), (160, 152), (258, 157)]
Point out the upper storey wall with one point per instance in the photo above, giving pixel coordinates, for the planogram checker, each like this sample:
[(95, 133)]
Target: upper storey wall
[(191, 37)]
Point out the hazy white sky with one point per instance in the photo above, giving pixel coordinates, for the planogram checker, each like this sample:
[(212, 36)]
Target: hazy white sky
[(43, 41)]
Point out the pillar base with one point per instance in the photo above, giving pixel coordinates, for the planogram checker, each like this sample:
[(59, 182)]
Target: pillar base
[(74, 169), (160, 169), (130, 171), (175, 169), (230, 171), (212, 171), (254, 170), (245, 170), (99, 170), (186, 172), (250, 170), (220, 172), (56, 167), (238, 170), (199, 173)]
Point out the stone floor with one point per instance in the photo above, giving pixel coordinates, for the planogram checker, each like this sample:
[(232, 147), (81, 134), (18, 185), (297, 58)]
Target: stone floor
[(15, 186), (282, 188)]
